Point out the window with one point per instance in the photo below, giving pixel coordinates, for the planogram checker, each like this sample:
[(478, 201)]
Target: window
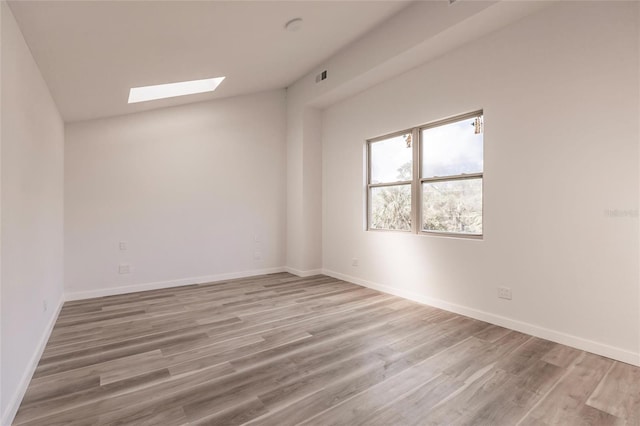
[(439, 193), (390, 182)]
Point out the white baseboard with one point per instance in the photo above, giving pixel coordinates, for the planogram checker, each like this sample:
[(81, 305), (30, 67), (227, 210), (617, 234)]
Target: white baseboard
[(111, 291), (16, 399), (302, 273), (523, 327)]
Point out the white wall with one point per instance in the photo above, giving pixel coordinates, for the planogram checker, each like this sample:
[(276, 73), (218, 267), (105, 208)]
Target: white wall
[(32, 215), (419, 32), (187, 188), (559, 91), (304, 189)]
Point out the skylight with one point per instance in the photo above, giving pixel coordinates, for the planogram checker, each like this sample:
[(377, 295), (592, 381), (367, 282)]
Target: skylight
[(170, 90)]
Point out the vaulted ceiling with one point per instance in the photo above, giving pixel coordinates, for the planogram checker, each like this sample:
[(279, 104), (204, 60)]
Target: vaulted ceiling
[(92, 52)]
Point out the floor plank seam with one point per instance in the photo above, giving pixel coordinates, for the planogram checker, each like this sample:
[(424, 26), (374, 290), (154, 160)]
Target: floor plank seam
[(543, 397)]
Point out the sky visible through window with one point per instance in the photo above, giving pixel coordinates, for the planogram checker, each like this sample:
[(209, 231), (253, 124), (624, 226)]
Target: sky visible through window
[(452, 149), (388, 157)]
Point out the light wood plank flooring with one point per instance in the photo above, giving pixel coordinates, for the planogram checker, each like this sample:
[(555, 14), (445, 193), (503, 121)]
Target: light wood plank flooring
[(282, 350)]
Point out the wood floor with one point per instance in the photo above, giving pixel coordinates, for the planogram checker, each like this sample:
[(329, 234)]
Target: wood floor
[(281, 350)]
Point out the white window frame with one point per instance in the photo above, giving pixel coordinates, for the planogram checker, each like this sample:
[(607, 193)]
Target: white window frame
[(370, 185), (418, 180)]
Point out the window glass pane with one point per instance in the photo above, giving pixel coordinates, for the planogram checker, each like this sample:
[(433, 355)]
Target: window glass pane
[(452, 149), (391, 207), (452, 206), (391, 159)]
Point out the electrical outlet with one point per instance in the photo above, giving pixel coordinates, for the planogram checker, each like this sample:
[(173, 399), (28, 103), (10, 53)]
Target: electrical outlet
[(256, 238), (45, 306), (123, 245), (124, 268), (504, 293), (354, 261), (257, 255)]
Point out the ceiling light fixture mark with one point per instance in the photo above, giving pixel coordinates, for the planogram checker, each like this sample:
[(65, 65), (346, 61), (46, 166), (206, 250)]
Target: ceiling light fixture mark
[(293, 25)]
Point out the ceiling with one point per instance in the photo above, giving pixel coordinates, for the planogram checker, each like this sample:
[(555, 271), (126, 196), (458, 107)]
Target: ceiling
[(92, 52)]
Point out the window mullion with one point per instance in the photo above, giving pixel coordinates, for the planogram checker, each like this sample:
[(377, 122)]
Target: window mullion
[(415, 185), (398, 183), (452, 177)]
